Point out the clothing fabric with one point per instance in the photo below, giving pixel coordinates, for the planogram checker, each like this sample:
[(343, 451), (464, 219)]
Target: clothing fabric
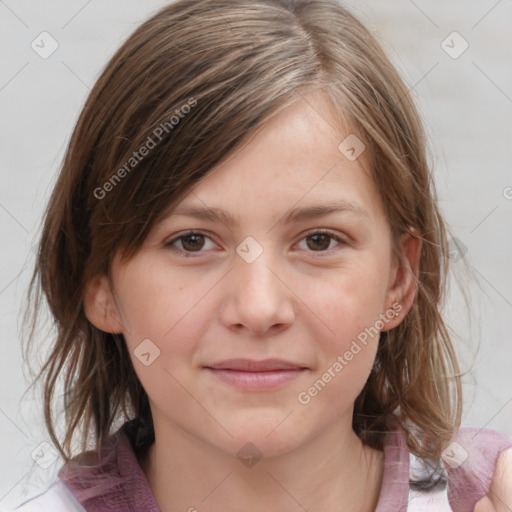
[(115, 482)]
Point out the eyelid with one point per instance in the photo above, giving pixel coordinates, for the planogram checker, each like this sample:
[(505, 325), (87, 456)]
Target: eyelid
[(168, 243), (180, 234), (321, 231), (342, 240)]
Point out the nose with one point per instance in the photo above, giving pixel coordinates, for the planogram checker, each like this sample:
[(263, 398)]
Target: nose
[(257, 297)]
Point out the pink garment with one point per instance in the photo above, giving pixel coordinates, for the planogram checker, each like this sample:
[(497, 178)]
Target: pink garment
[(115, 482), (470, 460)]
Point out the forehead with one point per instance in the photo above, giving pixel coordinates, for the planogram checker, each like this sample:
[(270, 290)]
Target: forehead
[(295, 164)]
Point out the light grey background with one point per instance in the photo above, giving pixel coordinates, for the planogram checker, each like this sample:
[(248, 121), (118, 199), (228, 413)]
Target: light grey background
[(466, 103)]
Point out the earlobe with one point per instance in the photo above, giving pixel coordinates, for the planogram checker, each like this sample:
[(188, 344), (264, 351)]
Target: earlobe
[(99, 306), (402, 290)]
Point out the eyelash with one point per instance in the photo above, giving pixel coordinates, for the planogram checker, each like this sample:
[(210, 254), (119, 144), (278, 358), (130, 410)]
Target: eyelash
[(192, 254)]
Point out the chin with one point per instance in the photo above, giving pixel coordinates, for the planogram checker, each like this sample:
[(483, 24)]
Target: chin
[(271, 438)]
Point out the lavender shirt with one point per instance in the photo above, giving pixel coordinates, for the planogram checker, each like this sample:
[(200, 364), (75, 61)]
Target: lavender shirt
[(115, 482)]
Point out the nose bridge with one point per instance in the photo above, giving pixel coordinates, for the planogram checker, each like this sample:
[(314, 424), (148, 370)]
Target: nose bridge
[(257, 298), (257, 276), (253, 274)]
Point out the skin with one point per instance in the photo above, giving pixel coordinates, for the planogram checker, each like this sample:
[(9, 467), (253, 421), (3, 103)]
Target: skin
[(499, 497), (303, 300)]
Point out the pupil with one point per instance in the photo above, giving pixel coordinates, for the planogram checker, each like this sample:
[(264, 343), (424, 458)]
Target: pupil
[(194, 244), (324, 237), (197, 242)]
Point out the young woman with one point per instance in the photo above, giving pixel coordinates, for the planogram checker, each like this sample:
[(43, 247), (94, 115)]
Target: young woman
[(246, 264)]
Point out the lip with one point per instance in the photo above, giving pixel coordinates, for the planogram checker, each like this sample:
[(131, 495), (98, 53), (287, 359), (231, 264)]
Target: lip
[(253, 365), (253, 375)]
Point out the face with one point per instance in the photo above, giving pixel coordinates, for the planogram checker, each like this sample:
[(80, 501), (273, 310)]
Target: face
[(295, 273)]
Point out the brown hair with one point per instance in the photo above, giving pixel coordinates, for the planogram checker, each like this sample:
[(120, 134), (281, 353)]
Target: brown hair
[(234, 63)]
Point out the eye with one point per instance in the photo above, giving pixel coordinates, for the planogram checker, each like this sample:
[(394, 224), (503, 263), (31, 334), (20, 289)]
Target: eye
[(190, 242), (320, 241)]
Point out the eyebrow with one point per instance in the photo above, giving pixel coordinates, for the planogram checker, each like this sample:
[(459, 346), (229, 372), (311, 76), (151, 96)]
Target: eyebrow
[(293, 216)]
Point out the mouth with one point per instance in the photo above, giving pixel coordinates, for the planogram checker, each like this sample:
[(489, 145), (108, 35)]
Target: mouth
[(253, 375)]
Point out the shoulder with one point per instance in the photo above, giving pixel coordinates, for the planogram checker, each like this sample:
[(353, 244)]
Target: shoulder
[(56, 498)]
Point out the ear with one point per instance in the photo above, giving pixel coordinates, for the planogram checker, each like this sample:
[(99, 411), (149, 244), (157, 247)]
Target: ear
[(99, 306), (402, 284)]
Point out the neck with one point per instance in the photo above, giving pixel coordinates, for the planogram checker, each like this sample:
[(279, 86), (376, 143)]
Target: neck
[(332, 472)]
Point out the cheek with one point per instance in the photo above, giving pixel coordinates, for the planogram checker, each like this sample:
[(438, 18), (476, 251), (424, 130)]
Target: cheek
[(346, 360), (350, 304), (161, 312), (161, 304), (334, 387), (350, 301)]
